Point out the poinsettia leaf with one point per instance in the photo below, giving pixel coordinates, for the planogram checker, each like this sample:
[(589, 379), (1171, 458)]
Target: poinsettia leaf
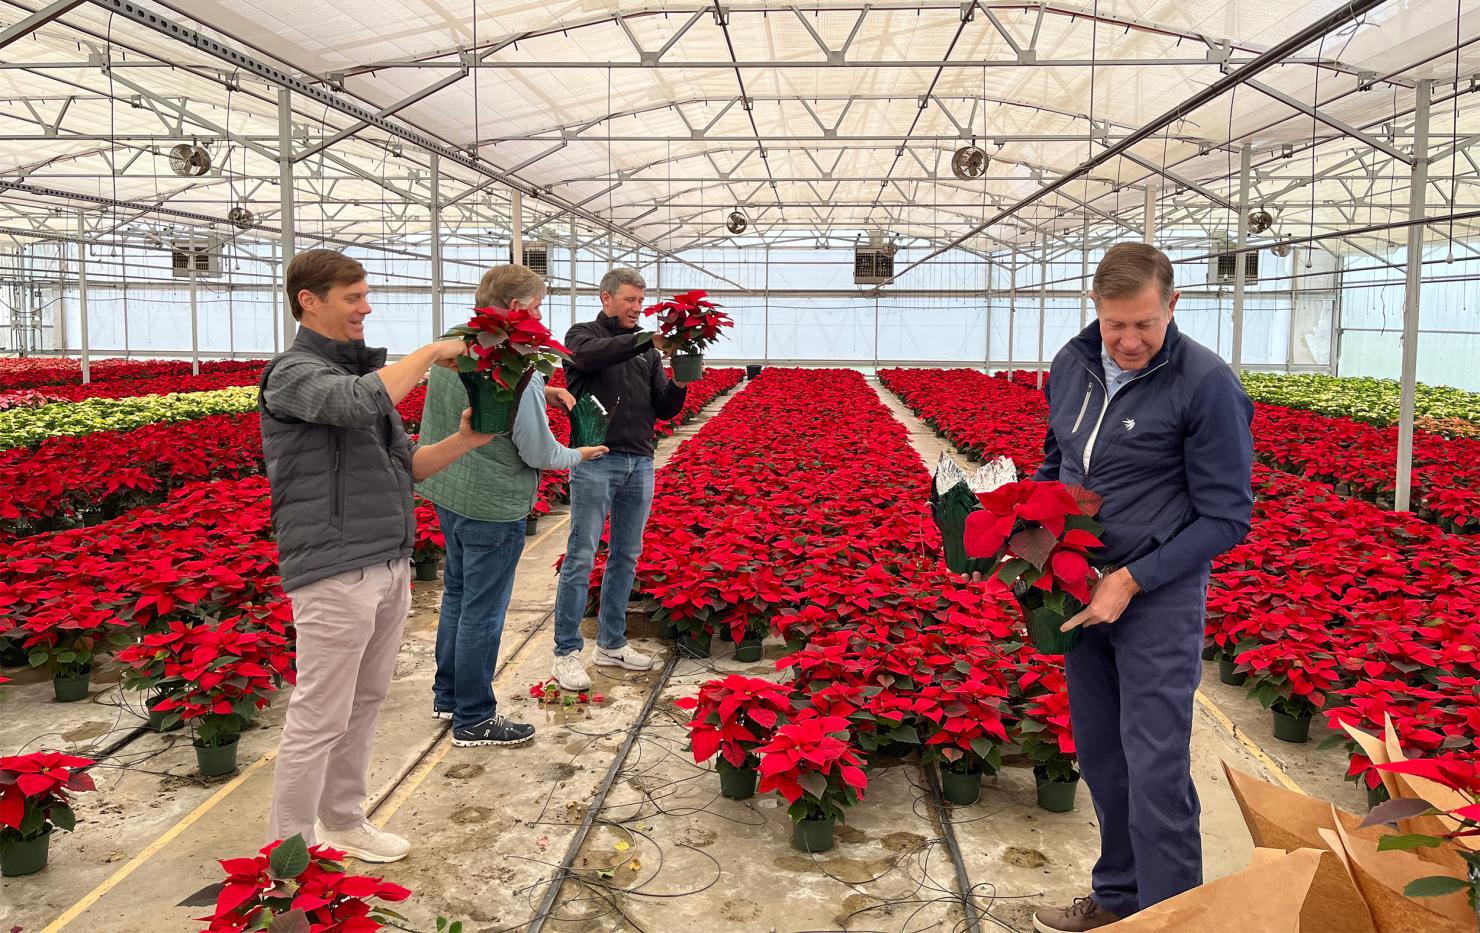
[(1033, 545), (1435, 886), (289, 859), (294, 921), (205, 897), (1391, 811), (1408, 841), (813, 783), (63, 818), (1089, 502)]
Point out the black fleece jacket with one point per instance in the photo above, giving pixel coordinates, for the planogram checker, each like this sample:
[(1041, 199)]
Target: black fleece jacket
[(622, 368)]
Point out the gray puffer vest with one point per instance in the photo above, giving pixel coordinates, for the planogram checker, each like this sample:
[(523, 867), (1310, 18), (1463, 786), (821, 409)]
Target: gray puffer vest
[(341, 496)]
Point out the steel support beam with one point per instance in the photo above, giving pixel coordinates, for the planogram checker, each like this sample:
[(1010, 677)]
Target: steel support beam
[(194, 318), (1148, 233), (1315, 113), (1240, 258), (435, 212), (516, 228), (287, 239), (1406, 404), (82, 297), (37, 19)]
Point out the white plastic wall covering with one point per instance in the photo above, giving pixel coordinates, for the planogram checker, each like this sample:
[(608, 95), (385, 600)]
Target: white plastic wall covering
[(1417, 191)]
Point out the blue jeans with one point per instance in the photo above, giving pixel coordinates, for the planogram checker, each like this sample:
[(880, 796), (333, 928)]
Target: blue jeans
[(619, 485), (1131, 686), (477, 583)]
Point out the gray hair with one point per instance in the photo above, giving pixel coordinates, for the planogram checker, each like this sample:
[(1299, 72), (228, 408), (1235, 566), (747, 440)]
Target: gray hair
[(620, 276)]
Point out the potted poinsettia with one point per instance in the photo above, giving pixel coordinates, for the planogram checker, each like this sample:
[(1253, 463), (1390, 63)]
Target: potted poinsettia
[(230, 672), (147, 668), (1040, 534), (732, 718), (1046, 736), (1291, 678), (290, 886), (505, 348), (812, 764), (65, 640), (1451, 788), (33, 802), (431, 543), (689, 322), (965, 731)]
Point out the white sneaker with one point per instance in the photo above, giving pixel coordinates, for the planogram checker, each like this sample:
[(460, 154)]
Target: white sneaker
[(365, 842), (570, 674), (625, 656)]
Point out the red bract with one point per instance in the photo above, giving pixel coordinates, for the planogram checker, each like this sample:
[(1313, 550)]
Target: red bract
[(1042, 533), (735, 716), (812, 765), (288, 878), (507, 345), (31, 373), (33, 793), (689, 320)]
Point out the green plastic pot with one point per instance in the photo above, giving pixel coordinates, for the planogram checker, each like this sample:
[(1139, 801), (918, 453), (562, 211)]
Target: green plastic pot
[(1057, 796), (156, 720), (1228, 674), (725, 634), (27, 857), (813, 835), (218, 760), (491, 414), (1210, 653), (688, 367), (752, 370), (961, 788), (695, 646), (738, 783), (11, 654), (1289, 728), (426, 570), (531, 527), (71, 688), (749, 650), (1043, 631), (667, 629)]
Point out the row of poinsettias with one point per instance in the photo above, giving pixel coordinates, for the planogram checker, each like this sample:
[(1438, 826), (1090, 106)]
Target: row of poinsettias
[(799, 511), (1332, 604)]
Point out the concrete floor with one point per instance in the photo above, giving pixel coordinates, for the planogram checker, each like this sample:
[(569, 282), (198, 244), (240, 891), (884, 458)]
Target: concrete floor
[(491, 827)]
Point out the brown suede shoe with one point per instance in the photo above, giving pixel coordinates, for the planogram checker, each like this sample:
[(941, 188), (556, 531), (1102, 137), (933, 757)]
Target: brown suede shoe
[(1084, 914)]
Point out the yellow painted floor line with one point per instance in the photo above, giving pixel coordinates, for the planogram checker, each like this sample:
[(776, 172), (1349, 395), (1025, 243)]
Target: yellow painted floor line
[(133, 865), (1253, 748)]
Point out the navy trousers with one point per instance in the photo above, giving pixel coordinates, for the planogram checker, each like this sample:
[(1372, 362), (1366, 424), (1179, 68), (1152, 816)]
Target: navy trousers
[(1131, 686)]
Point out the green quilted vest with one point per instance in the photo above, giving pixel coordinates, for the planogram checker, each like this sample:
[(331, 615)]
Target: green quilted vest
[(490, 484)]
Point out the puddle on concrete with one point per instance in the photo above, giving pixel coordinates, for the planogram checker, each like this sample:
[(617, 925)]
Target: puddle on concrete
[(472, 815), (88, 730), (464, 772), (900, 842), (698, 838), (562, 771), (845, 833), (1024, 858), (850, 870)]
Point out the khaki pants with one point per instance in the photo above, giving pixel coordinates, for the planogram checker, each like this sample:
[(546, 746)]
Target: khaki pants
[(349, 633)]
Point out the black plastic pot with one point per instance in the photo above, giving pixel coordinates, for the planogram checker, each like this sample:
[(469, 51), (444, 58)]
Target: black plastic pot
[(695, 646), (1291, 728), (426, 570), (217, 760), (688, 367), (962, 788), (1228, 674), (813, 835), (738, 783), (73, 687), (27, 857), (749, 650), (1057, 796)]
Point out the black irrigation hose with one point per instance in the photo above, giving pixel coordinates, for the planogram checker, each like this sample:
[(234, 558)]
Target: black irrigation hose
[(973, 921), (547, 904)]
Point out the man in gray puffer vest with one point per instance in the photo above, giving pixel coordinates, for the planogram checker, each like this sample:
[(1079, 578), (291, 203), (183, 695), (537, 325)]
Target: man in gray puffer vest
[(341, 469)]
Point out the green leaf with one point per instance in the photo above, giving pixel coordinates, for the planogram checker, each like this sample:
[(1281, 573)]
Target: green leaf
[(289, 859), (1408, 841), (1435, 886), (294, 921), (813, 783), (63, 818)]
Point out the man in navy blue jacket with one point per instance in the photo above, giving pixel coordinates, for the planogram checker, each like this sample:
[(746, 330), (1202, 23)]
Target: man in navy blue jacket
[(1160, 426)]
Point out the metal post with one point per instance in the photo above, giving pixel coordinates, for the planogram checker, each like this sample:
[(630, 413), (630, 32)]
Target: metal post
[(1339, 281), (194, 318), (1294, 304), (876, 332), (124, 289), (82, 297), (1084, 283), (285, 193), (574, 243), (1239, 258), (516, 255), (277, 337), (435, 207), (1416, 185), (1149, 234), (766, 313), (1042, 303), (1012, 315)]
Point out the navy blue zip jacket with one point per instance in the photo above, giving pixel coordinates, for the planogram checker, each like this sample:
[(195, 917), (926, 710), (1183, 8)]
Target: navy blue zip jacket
[(1172, 454)]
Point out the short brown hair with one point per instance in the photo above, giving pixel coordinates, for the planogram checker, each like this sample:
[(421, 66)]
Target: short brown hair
[(1128, 268), (317, 271), (504, 284)]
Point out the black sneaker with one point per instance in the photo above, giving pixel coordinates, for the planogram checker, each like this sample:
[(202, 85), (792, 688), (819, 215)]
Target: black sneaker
[(494, 731)]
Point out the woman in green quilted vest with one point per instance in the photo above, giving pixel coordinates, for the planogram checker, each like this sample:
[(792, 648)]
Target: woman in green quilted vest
[(482, 501)]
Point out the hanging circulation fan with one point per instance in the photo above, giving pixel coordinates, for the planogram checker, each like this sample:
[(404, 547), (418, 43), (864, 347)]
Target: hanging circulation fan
[(241, 218), (1260, 221), (736, 223), (1280, 249), (969, 162), (189, 160)]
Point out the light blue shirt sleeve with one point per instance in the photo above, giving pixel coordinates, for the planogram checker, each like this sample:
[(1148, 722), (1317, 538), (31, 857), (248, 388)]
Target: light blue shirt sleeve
[(537, 446)]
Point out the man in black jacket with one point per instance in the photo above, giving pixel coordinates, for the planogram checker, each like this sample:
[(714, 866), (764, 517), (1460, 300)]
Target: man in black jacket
[(623, 367)]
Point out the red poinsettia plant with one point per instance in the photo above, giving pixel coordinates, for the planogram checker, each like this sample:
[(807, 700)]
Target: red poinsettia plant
[(64, 639), (227, 671), (1044, 732), (431, 542), (690, 321), (965, 727), (506, 346), (734, 717), (812, 763), (290, 886), (33, 793)]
